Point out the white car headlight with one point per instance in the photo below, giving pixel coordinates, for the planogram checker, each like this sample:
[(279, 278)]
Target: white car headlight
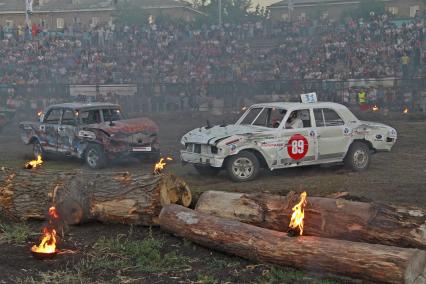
[(392, 133), (87, 134)]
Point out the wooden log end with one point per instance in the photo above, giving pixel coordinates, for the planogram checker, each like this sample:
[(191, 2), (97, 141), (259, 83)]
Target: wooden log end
[(416, 270), (174, 190)]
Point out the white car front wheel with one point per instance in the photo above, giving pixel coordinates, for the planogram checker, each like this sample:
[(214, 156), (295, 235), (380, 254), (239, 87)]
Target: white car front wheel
[(243, 167), (358, 157)]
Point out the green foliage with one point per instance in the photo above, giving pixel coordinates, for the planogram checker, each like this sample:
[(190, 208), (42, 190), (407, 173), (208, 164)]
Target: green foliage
[(145, 255), (217, 263), (277, 275), (55, 277), (206, 279), (114, 256), (14, 233)]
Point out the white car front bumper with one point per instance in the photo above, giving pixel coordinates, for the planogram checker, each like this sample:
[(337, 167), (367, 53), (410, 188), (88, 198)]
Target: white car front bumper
[(201, 159)]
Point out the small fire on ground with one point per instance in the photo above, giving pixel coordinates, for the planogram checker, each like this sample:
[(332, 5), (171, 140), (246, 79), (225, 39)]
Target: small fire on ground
[(297, 218), (34, 163), (49, 238), (405, 110), (159, 167)]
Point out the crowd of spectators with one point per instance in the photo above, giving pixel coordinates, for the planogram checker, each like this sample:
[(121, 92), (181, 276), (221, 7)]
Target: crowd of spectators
[(181, 53)]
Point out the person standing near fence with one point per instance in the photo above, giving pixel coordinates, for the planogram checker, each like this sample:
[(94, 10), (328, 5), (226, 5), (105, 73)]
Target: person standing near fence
[(362, 99), (405, 61)]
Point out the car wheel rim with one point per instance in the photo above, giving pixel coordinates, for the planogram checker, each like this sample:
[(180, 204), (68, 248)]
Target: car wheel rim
[(360, 159), (242, 168), (92, 158)]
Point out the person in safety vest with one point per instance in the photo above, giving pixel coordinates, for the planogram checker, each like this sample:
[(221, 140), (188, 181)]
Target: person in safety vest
[(362, 100)]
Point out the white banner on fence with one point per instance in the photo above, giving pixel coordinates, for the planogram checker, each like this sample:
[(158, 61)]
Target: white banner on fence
[(385, 82), (104, 90)]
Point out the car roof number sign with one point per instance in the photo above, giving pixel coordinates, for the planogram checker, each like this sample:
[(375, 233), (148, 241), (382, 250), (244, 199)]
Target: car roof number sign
[(309, 98)]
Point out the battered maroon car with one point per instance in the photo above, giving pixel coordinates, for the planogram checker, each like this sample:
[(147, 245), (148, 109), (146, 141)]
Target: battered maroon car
[(95, 132)]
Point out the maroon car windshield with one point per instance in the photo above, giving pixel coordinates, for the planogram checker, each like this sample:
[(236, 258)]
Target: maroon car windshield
[(95, 116)]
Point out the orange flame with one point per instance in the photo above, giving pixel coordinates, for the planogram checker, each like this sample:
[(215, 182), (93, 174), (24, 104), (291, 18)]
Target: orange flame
[(375, 108), (161, 165), (299, 214), (48, 241), (405, 110), (53, 213), (34, 163)]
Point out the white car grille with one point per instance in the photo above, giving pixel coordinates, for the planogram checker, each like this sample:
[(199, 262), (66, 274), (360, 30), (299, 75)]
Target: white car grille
[(201, 148)]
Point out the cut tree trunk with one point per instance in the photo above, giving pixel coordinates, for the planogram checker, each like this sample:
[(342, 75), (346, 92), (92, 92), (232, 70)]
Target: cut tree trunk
[(81, 197), (372, 262), (324, 217)]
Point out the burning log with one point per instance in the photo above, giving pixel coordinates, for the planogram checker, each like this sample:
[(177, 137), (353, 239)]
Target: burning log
[(325, 217), (376, 263), (34, 163), (81, 197), (47, 247)]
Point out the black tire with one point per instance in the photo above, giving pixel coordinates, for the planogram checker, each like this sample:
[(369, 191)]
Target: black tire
[(38, 150), (358, 157), (95, 156), (207, 170), (243, 167)]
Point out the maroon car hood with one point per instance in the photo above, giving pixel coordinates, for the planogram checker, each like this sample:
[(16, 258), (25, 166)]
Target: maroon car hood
[(129, 126)]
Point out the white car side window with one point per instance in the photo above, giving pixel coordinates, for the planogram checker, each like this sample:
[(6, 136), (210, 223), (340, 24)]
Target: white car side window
[(327, 117)]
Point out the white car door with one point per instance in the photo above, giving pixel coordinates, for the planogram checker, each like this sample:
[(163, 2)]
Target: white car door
[(300, 143), (333, 135)]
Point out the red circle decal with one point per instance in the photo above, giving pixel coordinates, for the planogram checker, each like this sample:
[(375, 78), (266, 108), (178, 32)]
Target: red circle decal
[(297, 147)]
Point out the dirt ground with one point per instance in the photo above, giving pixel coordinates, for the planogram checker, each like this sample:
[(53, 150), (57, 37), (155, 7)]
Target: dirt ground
[(396, 177)]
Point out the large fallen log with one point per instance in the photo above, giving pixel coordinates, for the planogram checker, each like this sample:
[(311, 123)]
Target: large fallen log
[(80, 197), (324, 217), (372, 262)]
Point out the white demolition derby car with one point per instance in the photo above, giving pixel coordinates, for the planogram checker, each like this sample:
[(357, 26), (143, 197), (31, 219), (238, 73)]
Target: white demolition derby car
[(283, 135)]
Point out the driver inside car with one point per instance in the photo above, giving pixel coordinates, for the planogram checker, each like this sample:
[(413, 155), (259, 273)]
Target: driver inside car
[(294, 121)]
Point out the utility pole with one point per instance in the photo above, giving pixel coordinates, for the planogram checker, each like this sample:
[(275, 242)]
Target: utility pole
[(28, 12), (220, 12), (290, 7)]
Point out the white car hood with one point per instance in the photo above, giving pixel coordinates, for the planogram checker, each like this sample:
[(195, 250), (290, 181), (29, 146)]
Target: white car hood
[(211, 135), (373, 124)]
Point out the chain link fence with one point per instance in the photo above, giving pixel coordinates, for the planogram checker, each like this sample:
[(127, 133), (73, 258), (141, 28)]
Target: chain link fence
[(390, 93)]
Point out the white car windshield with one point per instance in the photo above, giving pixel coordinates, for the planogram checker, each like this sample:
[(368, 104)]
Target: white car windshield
[(270, 117)]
